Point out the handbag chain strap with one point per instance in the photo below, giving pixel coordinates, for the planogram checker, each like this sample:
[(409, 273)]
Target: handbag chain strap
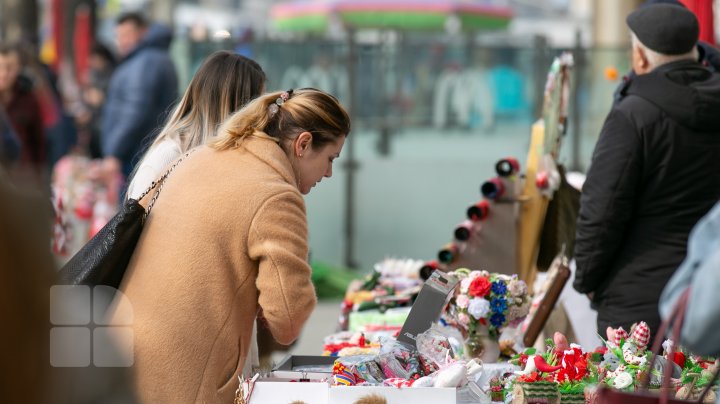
[(159, 184), (675, 320)]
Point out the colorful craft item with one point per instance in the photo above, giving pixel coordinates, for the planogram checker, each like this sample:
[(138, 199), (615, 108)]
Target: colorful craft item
[(507, 167), (344, 379), (641, 334), (492, 188), (342, 376), (479, 211), (620, 335)]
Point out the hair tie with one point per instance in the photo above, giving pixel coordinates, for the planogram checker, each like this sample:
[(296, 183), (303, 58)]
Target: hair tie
[(279, 101)]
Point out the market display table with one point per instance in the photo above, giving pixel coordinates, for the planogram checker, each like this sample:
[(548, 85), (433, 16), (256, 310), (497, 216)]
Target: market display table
[(277, 389)]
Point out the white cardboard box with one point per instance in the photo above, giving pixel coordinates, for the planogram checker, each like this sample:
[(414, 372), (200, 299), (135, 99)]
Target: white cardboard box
[(393, 395), (282, 392), (267, 391)]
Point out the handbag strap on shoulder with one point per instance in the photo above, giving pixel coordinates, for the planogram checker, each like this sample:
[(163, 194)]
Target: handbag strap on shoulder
[(159, 184)]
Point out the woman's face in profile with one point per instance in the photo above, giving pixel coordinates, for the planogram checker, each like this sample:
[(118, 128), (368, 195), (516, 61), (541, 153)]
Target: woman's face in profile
[(315, 164)]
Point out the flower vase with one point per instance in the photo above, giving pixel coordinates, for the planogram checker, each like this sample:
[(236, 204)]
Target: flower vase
[(481, 345)]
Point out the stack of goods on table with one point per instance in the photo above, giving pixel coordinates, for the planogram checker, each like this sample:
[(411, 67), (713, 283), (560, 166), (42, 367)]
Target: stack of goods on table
[(382, 301)]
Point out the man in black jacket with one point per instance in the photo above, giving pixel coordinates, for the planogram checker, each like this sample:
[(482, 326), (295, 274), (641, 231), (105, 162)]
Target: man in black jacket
[(708, 55), (655, 171)]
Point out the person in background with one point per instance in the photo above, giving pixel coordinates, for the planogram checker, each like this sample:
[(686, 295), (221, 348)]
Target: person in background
[(23, 110), (9, 142), (226, 238), (654, 172), (223, 84), (142, 88), (100, 68)]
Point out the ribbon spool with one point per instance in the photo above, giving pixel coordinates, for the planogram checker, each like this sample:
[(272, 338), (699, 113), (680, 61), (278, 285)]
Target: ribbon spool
[(448, 253), (464, 231), (507, 167), (479, 211), (427, 269), (493, 188)]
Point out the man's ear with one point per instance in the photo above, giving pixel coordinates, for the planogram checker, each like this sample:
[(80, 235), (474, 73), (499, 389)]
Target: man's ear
[(642, 63), (302, 143)]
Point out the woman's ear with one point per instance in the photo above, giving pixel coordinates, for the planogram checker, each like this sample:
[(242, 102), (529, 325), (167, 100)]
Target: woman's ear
[(302, 143)]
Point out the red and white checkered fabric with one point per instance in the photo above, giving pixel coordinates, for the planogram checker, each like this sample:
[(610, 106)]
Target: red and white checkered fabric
[(620, 334), (641, 334)]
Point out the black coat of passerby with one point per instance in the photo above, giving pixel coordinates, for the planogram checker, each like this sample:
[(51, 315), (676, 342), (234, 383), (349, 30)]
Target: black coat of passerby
[(655, 172)]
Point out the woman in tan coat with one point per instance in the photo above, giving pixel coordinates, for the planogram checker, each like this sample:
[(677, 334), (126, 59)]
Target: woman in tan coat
[(227, 238)]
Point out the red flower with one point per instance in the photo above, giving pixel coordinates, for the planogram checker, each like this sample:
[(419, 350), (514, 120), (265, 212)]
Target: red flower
[(532, 377), (679, 358), (523, 359), (479, 287)]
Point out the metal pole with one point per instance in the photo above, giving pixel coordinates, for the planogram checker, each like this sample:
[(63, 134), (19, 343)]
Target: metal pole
[(350, 164), (541, 66), (579, 59)]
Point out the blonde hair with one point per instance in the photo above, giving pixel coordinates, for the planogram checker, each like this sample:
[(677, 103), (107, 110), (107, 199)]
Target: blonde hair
[(307, 110), (224, 83)]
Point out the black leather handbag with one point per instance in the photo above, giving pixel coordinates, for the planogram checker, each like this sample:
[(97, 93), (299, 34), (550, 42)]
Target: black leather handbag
[(103, 260)]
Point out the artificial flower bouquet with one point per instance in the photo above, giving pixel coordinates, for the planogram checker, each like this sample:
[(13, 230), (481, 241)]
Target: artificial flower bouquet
[(483, 305), (558, 375)]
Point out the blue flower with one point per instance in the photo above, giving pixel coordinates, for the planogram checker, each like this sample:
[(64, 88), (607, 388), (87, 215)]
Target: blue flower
[(499, 287), (498, 304), (497, 320)]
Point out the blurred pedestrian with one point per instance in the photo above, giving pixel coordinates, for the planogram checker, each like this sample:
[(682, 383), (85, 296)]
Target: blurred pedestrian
[(223, 84), (23, 111), (227, 238), (142, 88), (101, 65), (654, 171), (9, 142)]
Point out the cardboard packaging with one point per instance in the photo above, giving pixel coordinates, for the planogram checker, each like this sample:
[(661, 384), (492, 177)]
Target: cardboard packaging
[(427, 307)]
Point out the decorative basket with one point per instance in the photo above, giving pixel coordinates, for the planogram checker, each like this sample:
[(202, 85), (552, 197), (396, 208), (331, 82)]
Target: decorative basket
[(536, 392)]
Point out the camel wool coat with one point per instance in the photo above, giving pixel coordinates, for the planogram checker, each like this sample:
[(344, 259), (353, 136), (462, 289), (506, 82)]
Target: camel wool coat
[(226, 237)]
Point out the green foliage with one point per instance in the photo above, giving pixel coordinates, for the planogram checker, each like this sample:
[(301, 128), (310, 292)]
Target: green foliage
[(572, 387), (331, 282)]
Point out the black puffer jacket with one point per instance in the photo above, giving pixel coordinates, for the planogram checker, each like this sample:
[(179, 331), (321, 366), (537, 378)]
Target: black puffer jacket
[(655, 172)]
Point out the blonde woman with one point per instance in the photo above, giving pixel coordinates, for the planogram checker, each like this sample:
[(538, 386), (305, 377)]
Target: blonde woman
[(223, 84), (226, 239)]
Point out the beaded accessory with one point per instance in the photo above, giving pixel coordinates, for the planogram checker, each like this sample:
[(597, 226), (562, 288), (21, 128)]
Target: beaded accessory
[(279, 101)]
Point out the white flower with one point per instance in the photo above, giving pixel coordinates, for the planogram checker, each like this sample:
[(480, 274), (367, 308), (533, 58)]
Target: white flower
[(667, 344), (465, 285), (478, 308), (622, 380)]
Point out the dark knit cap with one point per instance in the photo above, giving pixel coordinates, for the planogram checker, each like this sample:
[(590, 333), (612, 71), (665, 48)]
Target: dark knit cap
[(665, 28)]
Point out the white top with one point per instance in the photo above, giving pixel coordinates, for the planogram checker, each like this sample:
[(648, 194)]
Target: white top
[(152, 166)]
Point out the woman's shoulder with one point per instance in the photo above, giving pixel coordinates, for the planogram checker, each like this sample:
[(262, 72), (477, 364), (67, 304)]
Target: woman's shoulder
[(153, 165)]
